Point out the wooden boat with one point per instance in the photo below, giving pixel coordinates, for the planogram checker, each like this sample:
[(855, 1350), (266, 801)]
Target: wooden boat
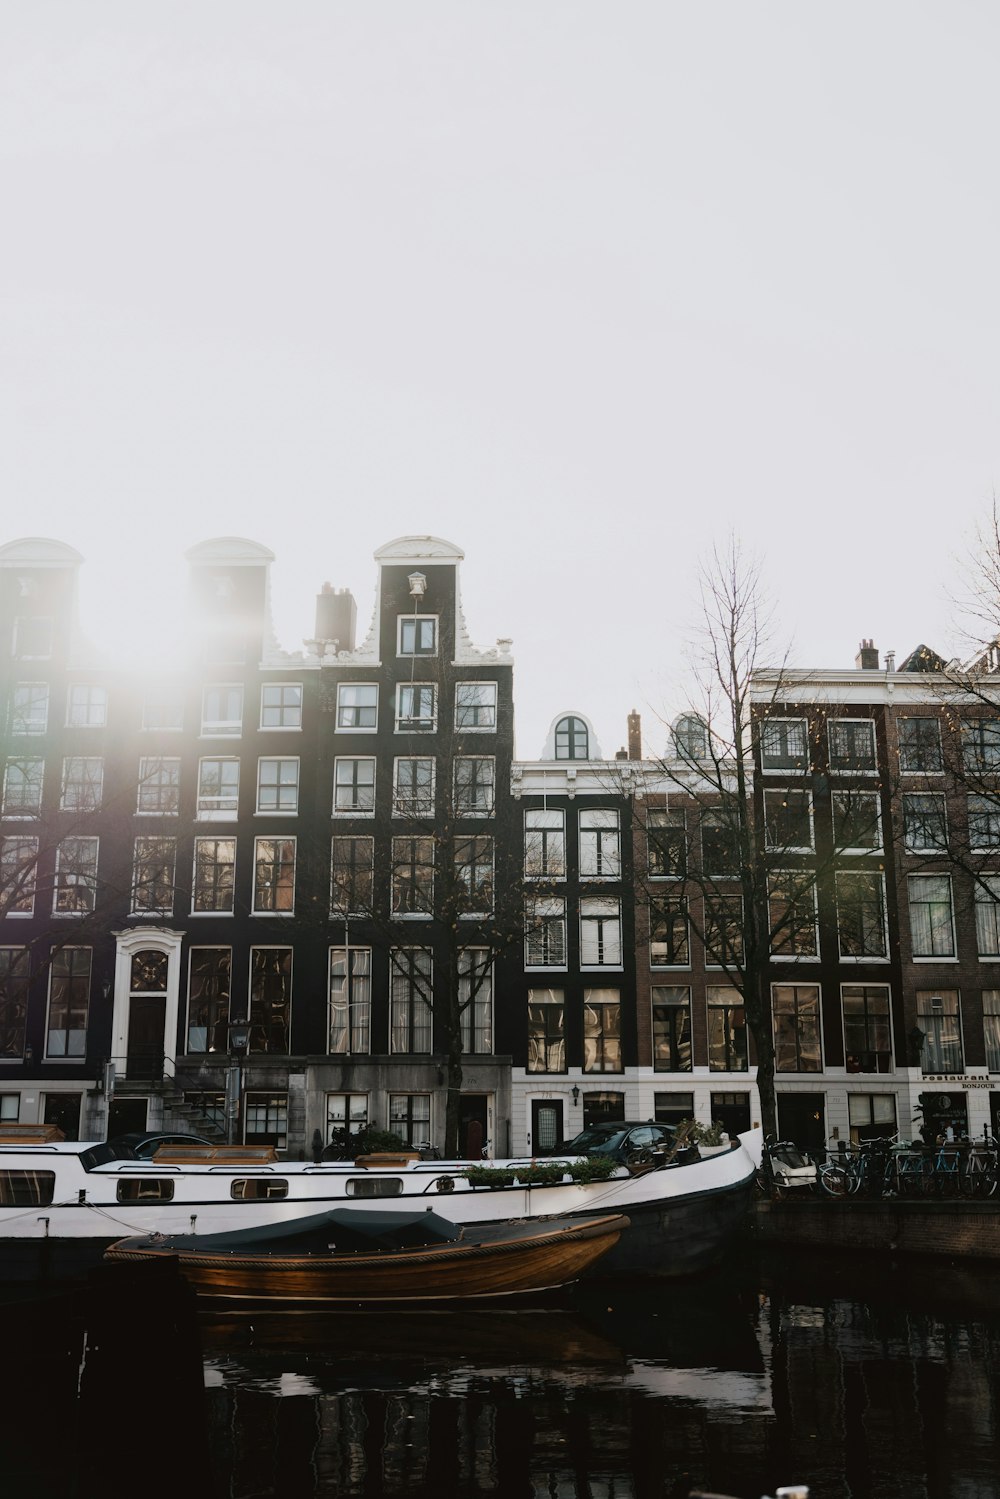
[(351, 1257)]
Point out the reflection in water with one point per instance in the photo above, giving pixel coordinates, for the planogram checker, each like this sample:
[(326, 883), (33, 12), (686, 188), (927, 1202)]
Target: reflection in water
[(875, 1388)]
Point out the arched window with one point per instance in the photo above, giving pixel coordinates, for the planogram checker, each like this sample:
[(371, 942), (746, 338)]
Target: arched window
[(571, 739), (691, 738)]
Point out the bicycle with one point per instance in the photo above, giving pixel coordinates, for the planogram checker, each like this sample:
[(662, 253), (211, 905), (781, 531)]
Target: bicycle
[(980, 1172)]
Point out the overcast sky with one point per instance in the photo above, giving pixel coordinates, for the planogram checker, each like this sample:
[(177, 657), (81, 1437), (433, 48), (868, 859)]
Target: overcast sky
[(578, 286)]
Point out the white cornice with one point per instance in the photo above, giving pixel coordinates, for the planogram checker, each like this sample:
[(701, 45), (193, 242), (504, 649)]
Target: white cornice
[(39, 551)]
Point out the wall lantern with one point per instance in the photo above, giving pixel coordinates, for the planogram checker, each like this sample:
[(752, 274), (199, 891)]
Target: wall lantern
[(576, 1094), (418, 585)]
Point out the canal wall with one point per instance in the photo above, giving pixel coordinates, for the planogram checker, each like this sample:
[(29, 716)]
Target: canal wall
[(952, 1230)]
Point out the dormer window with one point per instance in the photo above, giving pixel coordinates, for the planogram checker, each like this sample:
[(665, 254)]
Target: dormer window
[(572, 739), (691, 738)]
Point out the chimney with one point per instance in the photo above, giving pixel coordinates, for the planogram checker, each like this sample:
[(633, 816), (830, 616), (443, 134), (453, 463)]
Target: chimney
[(634, 736), (336, 616), (890, 661), (867, 657)]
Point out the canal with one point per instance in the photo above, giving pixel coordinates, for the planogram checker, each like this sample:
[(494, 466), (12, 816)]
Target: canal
[(858, 1378)]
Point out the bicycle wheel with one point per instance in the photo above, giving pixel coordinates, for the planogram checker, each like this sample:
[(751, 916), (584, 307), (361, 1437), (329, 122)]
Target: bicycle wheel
[(835, 1181)]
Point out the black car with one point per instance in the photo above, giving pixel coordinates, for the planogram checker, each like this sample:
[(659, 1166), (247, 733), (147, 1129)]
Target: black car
[(142, 1145), (622, 1140)]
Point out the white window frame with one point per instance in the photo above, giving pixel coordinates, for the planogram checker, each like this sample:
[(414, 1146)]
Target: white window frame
[(283, 709), (94, 706), (416, 723), (221, 728), (489, 707), (213, 910), (36, 693), (987, 908), (788, 762), (597, 912), (911, 885), (32, 619), (857, 796), (79, 875), (544, 821), (87, 780), (600, 844), (279, 863), (991, 815), (355, 809), (19, 902), (416, 620), (552, 912), (75, 1043), (908, 770), (419, 805), (278, 785), (844, 770), (463, 808), (774, 792), (882, 957), (32, 769), (150, 769), (345, 708), (166, 907), (355, 964), (225, 806)]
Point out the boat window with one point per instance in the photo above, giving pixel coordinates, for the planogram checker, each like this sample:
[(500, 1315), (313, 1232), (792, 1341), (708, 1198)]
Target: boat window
[(145, 1189), (375, 1186), (254, 1188), (26, 1188)]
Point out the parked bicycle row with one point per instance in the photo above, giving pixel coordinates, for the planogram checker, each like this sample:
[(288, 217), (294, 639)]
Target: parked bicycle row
[(886, 1168)]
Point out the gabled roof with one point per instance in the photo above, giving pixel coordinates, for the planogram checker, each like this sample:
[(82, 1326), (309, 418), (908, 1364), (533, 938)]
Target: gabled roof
[(923, 659)]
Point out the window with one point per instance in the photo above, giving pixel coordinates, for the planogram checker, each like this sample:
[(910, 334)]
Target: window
[(852, 744), (475, 996), (720, 842), (357, 705), (281, 705), (10, 1107), (159, 786), (925, 822), (22, 788), (354, 787), (690, 736), (984, 822), (14, 974), (410, 992), (572, 741), (669, 946), (673, 1108), (163, 708), (153, 876), (788, 819), (274, 875), (475, 706), (939, 1017), (413, 876), (545, 933), (981, 744), (270, 999), (350, 1000), (546, 1031), (351, 874), (919, 744), (600, 845), (82, 783), (727, 1031), (671, 1028), (991, 1028), (861, 915), (544, 845), (474, 786), (417, 635), (931, 927), (871, 1116), (76, 876), (69, 1001), (784, 744), (17, 876), (867, 1027), (666, 838), (87, 707), (856, 824), (209, 981), (278, 786), (600, 933), (222, 710), (602, 1031), (32, 638), (214, 868), (792, 914), (29, 712), (723, 930), (988, 916), (795, 1008), (218, 789), (474, 875), (346, 1114), (416, 708), (258, 1188), (146, 1189), (267, 1121), (410, 1118), (414, 787)]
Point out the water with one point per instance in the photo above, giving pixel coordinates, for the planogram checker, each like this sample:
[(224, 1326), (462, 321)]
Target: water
[(858, 1380)]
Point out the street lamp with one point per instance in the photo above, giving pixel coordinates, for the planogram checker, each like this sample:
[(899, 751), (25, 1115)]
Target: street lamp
[(239, 1040)]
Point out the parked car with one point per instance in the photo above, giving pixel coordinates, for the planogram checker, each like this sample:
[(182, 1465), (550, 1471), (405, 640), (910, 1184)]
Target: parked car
[(623, 1140), (142, 1145)]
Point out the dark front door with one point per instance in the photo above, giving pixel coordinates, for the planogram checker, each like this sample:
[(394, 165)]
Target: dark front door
[(472, 1125), (126, 1116), (546, 1126), (800, 1118), (145, 1035), (63, 1110), (732, 1111)]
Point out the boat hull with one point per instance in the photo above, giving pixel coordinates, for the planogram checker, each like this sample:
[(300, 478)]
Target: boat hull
[(487, 1265)]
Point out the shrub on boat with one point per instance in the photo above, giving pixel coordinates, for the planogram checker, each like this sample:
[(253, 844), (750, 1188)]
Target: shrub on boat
[(590, 1169)]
